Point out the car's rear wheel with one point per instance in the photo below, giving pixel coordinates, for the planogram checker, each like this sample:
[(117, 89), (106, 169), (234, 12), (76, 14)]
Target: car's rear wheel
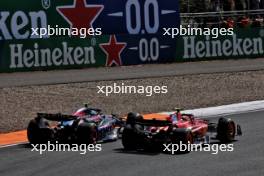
[(86, 133), (183, 138), (226, 130), (39, 132)]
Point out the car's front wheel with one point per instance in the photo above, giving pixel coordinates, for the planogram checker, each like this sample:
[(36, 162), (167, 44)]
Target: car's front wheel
[(226, 130), (129, 139)]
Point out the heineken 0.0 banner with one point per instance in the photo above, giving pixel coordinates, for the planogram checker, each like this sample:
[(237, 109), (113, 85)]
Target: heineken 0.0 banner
[(120, 32), (56, 34)]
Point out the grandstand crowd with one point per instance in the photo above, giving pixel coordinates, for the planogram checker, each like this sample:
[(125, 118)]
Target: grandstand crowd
[(224, 13)]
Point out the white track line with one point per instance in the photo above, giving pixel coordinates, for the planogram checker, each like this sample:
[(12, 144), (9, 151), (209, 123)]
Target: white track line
[(237, 108), (10, 145)]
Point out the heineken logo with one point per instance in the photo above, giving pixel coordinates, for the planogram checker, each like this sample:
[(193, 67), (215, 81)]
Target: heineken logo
[(233, 46), (22, 57), (17, 25)]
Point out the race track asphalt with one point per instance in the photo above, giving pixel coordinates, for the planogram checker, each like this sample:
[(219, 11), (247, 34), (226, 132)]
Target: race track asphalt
[(247, 159), (128, 72)]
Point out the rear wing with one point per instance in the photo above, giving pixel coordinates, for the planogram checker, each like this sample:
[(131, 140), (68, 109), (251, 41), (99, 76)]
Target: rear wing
[(56, 117), (153, 122)]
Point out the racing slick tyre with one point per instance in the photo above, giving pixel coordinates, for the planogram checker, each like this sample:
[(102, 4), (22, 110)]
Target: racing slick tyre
[(226, 130), (39, 132), (182, 137), (129, 139), (86, 133)]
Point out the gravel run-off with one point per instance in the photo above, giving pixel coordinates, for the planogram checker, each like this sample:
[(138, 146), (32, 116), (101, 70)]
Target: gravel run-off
[(20, 104)]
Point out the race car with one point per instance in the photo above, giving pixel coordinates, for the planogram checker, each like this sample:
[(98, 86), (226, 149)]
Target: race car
[(86, 125), (153, 131)]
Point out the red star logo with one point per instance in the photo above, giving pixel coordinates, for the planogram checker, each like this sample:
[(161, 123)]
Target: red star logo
[(80, 15), (113, 51)]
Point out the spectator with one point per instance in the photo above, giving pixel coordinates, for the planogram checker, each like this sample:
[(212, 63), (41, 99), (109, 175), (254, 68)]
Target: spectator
[(257, 22), (254, 4), (241, 4), (261, 4), (229, 5), (244, 22), (228, 23)]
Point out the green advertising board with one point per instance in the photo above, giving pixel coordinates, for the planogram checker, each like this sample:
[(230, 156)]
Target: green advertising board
[(125, 39), (245, 43), (121, 43), (22, 51)]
